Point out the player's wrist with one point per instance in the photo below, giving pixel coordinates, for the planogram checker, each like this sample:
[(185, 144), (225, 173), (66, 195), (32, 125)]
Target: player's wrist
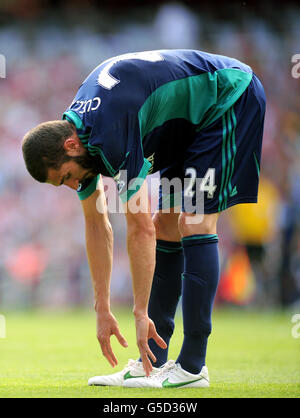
[(140, 312), (101, 308)]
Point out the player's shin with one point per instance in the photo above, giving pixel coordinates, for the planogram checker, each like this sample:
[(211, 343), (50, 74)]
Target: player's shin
[(165, 293), (200, 281)]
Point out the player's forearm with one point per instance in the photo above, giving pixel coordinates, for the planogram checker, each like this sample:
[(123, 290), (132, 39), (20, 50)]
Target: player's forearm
[(99, 246), (141, 250)]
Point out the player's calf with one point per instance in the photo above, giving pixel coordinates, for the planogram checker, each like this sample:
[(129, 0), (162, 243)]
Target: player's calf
[(191, 224)]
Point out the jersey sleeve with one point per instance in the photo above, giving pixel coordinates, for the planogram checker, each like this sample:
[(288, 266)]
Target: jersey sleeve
[(121, 151), (87, 188)]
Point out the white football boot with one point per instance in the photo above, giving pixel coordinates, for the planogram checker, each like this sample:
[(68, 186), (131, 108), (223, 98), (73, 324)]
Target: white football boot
[(134, 369), (171, 375)]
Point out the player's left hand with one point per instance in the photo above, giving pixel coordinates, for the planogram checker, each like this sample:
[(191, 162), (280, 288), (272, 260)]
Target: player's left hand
[(145, 329)]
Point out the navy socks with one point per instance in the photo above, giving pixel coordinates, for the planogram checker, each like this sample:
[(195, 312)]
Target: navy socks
[(165, 293), (200, 267), (199, 285)]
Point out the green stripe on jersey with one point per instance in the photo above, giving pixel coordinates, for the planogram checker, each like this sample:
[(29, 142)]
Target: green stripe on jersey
[(75, 119), (136, 183), (95, 150), (200, 99)]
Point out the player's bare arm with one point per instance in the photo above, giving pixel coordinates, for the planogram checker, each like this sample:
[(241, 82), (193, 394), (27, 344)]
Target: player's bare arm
[(141, 243), (99, 246)]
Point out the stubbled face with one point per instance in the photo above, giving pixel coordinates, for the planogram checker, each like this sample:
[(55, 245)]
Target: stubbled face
[(80, 166)]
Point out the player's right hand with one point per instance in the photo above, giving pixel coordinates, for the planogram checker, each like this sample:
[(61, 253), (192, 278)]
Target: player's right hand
[(145, 330), (107, 326)]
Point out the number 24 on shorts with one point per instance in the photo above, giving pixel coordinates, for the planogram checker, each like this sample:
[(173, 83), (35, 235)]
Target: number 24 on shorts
[(207, 184)]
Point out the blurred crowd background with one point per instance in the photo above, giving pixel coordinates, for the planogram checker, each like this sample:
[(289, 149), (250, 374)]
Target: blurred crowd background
[(50, 47)]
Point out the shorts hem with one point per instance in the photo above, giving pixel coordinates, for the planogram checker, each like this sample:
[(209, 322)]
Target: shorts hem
[(243, 199)]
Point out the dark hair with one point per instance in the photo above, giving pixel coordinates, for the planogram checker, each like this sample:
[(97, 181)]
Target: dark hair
[(43, 147)]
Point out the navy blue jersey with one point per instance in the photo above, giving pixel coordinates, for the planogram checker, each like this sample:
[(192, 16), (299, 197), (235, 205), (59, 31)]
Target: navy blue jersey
[(137, 113)]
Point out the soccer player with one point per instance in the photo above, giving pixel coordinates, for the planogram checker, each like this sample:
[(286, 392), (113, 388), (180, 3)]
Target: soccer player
[(192, 116)]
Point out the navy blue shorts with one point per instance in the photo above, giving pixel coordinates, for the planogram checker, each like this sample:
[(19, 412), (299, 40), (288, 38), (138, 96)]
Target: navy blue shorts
[(221, 166)]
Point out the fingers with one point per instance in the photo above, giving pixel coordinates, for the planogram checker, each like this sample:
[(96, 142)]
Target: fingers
[(145, 330), (106, 346), (121, 339), (106, 327), (146, 353), (159, 341), (157, 338), (107, 351), (150, 354)]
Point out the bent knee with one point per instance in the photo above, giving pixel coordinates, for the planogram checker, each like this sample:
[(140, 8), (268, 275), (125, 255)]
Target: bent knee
[(192, 224), (166, 226)]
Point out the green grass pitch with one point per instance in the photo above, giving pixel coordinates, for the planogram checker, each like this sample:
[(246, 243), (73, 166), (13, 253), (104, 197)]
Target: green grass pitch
[(52, 354)]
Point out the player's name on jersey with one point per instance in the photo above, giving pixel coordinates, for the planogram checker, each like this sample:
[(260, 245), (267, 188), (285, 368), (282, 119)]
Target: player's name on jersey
[(86, 105)]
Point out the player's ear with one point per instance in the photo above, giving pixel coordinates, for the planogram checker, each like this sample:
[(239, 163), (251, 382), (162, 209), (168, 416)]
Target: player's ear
[(72, 146)]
